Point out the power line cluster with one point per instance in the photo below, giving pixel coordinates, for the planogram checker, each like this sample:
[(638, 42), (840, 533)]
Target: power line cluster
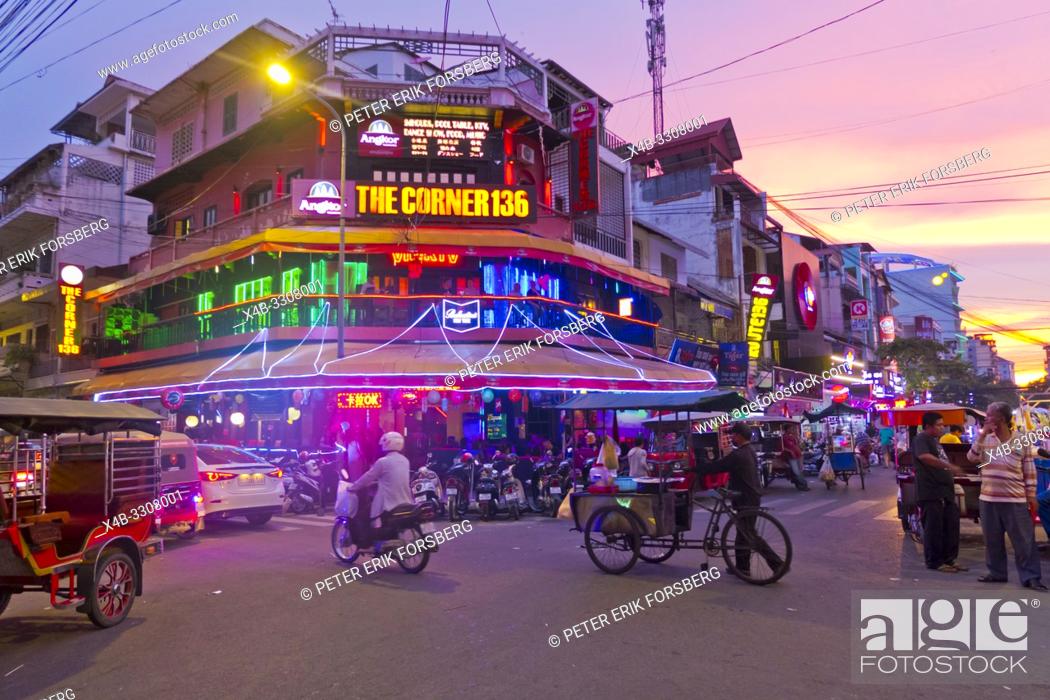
[(23, 22)]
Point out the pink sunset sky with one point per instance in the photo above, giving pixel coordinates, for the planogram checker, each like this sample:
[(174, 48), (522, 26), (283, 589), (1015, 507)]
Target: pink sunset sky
[(795, 126)]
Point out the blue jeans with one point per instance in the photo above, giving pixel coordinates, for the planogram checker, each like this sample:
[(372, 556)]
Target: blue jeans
[(1044, 510), (999, 520)]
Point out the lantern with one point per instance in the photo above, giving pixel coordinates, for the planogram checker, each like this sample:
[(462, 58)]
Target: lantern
[(514, 395), (487, 395), (455, 397), (433, 396)]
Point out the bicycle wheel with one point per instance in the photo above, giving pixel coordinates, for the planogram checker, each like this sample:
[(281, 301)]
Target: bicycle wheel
[(654, 553), (760, 543), (616, 552)]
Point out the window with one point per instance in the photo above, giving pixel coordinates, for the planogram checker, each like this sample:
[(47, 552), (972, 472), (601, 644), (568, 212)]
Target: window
[(183, 226), (668, 267), (294, 175), (414, 75), (259, 195), (290, 280), (214, 455), (725, 253), (211, 215), (319, 280), (229, 114), (181, 143), (249, 291), (637, 246), (205, 302)]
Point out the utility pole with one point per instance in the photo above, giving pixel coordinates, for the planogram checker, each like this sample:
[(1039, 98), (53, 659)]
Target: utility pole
[(656, 38)]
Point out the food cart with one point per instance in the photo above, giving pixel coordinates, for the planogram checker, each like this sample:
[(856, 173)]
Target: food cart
[(967, 478), (70, 522), (840, 447)]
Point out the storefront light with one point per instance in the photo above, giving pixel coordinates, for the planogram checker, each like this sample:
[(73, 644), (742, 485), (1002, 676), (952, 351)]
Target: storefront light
[(237, 419), (192, 421), (626, 306)]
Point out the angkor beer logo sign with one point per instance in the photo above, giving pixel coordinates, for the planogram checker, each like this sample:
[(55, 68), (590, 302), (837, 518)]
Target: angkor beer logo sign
[(763, 289), (460, 318), (379, 139), (322, 199), (944, 638)]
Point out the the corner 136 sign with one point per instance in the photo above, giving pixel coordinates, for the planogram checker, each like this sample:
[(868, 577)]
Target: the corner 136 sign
[(763, 290), (460, 317)]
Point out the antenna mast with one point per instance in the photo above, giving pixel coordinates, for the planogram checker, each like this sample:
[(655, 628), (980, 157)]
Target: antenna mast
[(656, 37)]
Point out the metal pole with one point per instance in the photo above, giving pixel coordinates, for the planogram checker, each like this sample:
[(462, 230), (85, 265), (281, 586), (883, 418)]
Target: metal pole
[(341, 282)]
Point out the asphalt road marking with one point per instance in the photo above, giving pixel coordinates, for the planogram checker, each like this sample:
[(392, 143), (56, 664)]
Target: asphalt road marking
[(285, 528), (891, 514), (854, 507), (803, 508), (300, 521)]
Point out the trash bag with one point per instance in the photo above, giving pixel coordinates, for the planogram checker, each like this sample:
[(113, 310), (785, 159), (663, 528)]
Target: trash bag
[(827, 473), (565, 509), (342, 500)]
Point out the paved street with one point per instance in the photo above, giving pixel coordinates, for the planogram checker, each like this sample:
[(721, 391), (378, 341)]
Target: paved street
[(222, 617)]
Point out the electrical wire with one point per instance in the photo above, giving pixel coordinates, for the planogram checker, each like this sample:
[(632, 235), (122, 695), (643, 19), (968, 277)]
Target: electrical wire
[(88, 46), (755, 53)]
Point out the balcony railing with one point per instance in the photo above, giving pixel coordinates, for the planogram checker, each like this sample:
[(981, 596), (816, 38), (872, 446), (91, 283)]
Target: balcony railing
[(141, 141), (591, 235), (362, 311)]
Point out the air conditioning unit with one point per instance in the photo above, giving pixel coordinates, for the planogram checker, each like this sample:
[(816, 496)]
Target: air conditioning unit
[(526, 154)]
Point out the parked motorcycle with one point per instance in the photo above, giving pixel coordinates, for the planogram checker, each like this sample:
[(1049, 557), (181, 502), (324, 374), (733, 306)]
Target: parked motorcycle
[(427, 487), (512, 490), (487, 492), (459, 486), (302, 487), (812, 461), (552, 484)]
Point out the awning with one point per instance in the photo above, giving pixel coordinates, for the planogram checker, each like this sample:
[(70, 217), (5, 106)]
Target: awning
[(63, 415), (912, 415), (835, 409), (405, 365), (712, 400)]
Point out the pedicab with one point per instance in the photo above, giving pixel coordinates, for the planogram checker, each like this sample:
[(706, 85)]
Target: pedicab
[(74, 511), (967, 477), (841, 451), (768, 438)]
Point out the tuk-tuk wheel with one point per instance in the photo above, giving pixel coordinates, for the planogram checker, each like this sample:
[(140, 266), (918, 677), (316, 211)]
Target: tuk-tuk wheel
[(5, 598), (113, 593)]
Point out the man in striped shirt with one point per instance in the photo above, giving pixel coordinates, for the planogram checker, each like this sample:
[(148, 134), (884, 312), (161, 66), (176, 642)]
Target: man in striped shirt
[(1007, 502)]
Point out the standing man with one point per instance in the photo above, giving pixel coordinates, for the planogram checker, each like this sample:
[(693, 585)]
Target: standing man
[(636, 459), (742, 466), (935, 483), (792, 454), (1008, 503)]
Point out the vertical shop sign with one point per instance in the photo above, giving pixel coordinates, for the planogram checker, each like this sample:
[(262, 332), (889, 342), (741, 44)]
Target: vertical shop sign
[(70, 289), (763, 290), (583, 161)]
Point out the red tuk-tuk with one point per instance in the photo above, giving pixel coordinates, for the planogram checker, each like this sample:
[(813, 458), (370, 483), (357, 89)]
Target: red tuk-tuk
[(679, 441), (69, 505)]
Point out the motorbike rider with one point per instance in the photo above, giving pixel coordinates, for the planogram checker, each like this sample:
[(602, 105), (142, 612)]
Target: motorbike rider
[(390, 472)]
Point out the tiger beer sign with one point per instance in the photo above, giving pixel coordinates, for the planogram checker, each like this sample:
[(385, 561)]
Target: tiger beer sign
[(763, 292)]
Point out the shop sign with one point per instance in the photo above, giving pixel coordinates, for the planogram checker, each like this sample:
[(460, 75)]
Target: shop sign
[(732, 364), (359, 399), (887, 329), (859, 324), (858, 308), (70, 289), (426, 259), (452, 203), (696, 355), (583, 157), (315, 198), (460, 317), (805, 295), (379, 139), (446, 137), (763, 289), (784, 379)]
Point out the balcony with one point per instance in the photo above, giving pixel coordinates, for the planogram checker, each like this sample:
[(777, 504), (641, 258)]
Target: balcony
[(14, 284), (369, 317), (143, 142), (590, 235)]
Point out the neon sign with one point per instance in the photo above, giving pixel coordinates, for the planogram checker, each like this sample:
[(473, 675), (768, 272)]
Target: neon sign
[(429, 259), (460, 318), (763, 288), (805, 296), (359, 399), (380, 135), (321, 200), (71, 290), (496, 203)]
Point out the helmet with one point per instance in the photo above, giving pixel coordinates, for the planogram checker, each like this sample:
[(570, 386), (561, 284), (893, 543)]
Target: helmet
[(467, 457), (392, 442)]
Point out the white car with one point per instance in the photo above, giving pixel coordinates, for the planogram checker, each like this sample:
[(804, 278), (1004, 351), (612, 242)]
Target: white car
[(235, 482)]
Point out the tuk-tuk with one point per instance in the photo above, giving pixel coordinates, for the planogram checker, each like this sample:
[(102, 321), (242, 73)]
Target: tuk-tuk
[(767, 435), (967, 479), (183, 513), (69, 505), (678, 442)]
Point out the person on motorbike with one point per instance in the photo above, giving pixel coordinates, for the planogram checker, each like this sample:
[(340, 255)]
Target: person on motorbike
[(390, 472)]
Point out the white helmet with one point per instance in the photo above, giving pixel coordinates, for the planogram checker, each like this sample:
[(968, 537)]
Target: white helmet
[(392, 442)]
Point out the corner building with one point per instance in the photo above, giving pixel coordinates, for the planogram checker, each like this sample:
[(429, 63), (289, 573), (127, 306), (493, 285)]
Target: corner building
[(463, 240)]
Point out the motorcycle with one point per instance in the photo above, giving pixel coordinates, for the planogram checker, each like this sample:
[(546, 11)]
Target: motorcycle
[(302, 487), (813, 460), (552, 482), (512, 490), (399, 527), (459, 486), (427, 487), (487, 492)]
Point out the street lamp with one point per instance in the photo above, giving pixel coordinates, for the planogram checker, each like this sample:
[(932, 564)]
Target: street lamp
[(281, 75)]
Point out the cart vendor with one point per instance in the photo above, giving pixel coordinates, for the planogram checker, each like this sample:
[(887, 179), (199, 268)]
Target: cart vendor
[(742, 466)]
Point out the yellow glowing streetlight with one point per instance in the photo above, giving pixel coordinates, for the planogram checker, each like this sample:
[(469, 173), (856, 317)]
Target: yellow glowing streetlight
[(279, 74), (282, 76)]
